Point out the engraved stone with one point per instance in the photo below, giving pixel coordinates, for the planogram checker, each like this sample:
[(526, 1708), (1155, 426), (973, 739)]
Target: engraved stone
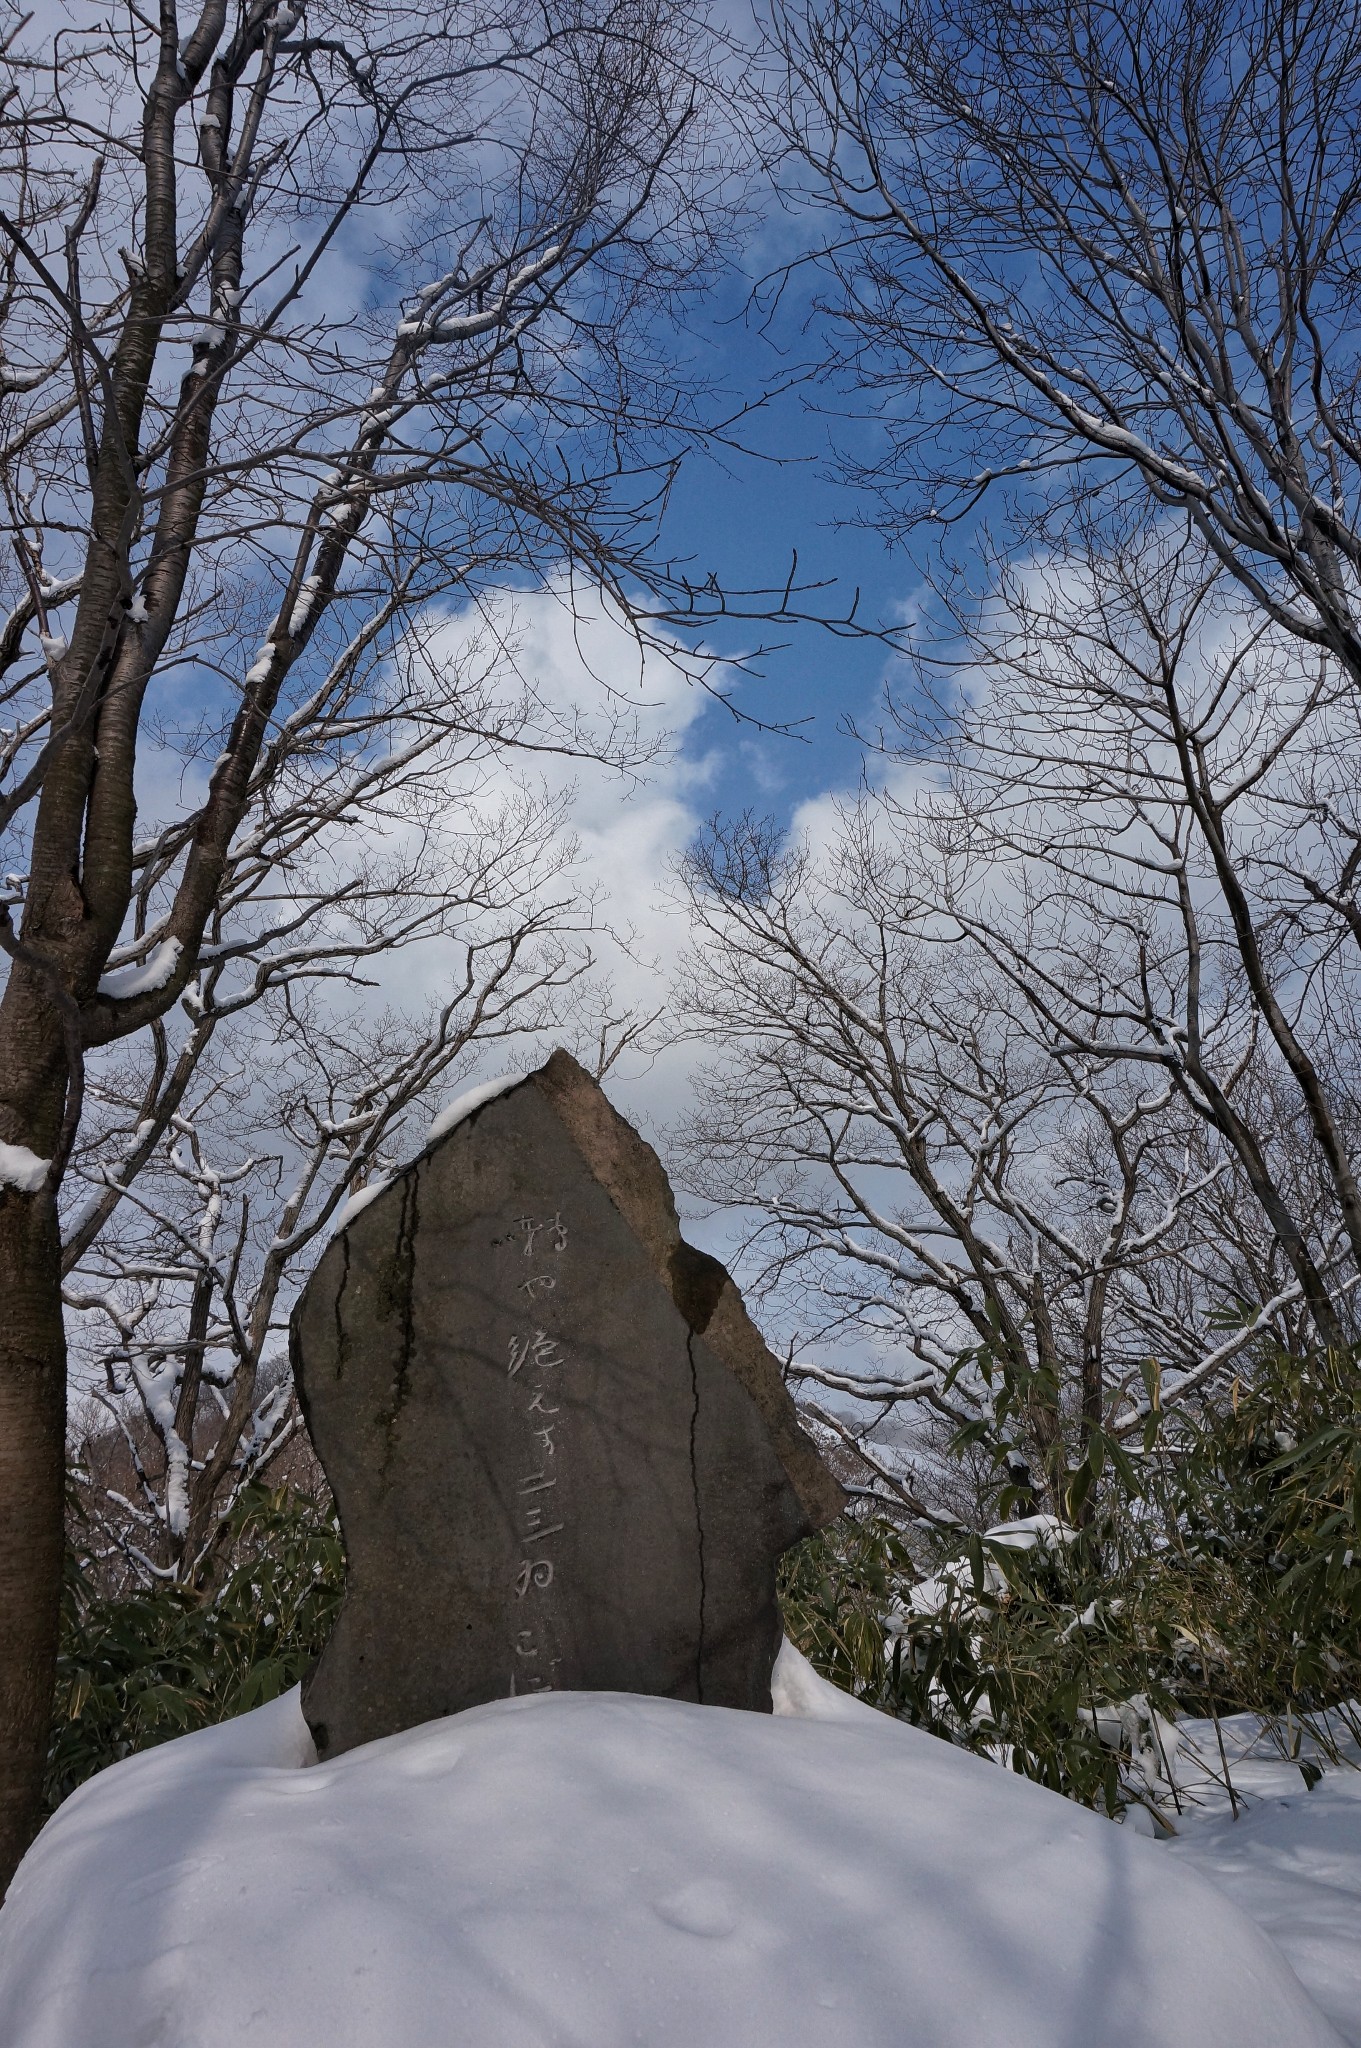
[(561, 1454)]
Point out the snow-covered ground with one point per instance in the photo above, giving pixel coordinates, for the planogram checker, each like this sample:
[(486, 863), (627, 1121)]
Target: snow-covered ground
[(602, 1869), (1292, 1858)]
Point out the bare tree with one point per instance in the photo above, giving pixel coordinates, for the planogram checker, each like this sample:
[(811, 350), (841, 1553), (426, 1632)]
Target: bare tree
[(380, 823), (1167, 776), (1088, 260), (297, 1111), (218, 1149), (1101, 250), (1011, 1234), (313, 318), (998, 1085)]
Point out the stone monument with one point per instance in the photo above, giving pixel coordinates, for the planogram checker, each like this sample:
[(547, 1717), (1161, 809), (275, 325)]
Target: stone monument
[(561, 1454)]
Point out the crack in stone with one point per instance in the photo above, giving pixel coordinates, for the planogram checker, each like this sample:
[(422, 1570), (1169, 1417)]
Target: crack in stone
[(699, 1519), (342, 1337), (399, 1292), (697, 1281)]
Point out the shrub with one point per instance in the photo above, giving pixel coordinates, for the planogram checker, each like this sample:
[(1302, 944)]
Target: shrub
[(134, 1670), (1220, 1571)]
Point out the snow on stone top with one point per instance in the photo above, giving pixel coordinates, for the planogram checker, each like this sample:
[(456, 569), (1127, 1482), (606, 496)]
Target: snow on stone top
[(358, 1201), (453, 1113), (589, 1870), (472, 1098)]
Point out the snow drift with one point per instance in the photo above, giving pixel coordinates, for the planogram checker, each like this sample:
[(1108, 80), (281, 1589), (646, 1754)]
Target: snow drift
[(589, 1870)]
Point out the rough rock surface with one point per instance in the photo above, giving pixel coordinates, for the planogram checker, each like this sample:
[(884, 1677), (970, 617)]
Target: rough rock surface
[(562, 1456)]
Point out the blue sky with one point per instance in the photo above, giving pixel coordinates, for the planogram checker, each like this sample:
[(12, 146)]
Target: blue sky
[(741, 516)]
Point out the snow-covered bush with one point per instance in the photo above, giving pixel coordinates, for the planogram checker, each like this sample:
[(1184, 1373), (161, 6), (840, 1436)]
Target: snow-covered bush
[(1269, 1498), (137, 1669), (1219, 1573)]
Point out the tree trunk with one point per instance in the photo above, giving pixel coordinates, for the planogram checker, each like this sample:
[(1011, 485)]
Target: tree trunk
[(33, 1088), (32, 1477)]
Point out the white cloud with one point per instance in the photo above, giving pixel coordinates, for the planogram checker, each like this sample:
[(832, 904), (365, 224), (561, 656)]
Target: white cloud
[(630, 826)]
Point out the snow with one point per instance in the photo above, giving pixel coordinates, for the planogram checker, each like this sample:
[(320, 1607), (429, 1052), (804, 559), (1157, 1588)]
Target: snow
[(463, 1105), (261, 668), (22, 1169), (1136, 1729), (453, 1113), (1292, 1859), (302, 605), (589, 1870), (143, 977), (159, 1387), (361, 1200), (445, 327), (1030, 1532)]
